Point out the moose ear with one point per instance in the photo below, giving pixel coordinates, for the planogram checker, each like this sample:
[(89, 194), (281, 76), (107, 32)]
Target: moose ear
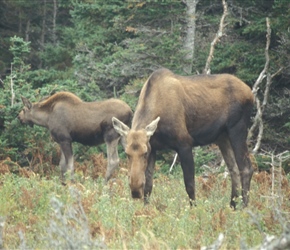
[(120, 127), (150, 129), (26, 102)]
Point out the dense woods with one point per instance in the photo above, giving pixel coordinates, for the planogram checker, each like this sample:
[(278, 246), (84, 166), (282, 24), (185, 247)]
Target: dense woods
[(100, 49)]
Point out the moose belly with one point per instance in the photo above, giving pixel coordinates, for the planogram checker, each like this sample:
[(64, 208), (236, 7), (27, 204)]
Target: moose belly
[(206, 135), (89, 139)]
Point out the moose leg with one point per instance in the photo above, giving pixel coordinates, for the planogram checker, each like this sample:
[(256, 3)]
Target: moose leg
[(112, 154), (187, 164), (149, 176), (238, 139), (229, 158), (66, 160), (62, 165), (123, 142)]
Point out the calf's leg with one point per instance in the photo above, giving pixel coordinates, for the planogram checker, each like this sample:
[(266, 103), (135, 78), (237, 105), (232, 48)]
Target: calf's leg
[(113, 158), (62, 165), (66, 160)]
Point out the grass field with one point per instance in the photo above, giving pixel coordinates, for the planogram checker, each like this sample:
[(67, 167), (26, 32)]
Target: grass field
[(40, 213)]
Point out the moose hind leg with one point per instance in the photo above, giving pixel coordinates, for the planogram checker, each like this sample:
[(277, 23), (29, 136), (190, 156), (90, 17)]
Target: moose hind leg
[(113, 157), (229, 158), (238, 139)]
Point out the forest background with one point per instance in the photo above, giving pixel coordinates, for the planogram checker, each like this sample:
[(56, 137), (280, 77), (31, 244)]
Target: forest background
[(99, 49), (103, 49)]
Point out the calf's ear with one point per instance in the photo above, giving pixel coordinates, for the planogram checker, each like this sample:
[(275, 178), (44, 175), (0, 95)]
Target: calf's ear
[(120, 127), (150, 129), (26, 102)]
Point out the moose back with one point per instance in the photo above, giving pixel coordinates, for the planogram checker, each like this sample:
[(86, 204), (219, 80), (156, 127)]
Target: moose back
[(69, 119), (179, 113)]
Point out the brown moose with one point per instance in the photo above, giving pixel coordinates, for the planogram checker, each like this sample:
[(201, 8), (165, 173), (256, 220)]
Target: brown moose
[(69, 119), (179, 113)]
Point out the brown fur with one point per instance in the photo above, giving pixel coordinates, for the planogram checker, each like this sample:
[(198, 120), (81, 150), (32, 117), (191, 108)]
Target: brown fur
[(60, 96), (193, 111), (69, 119)]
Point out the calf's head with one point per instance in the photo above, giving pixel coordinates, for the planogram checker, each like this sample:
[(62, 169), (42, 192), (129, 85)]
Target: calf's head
[(25, 116), (138, 150)]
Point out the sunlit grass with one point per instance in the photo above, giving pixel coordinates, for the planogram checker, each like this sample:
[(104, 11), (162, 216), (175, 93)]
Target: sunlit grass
[(117, 221)]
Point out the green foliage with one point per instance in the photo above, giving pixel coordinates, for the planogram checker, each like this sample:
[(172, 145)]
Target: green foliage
[(203, 159), (128, 44), (131, 92), (18, 48), (89, 214), (56, 57), (101, 49), (234, 59)]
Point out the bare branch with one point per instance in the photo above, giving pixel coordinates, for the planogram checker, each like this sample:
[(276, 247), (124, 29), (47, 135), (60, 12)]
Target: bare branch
[(266, 67), (12, 87), (258, 120), (173, 163), (218, 35)]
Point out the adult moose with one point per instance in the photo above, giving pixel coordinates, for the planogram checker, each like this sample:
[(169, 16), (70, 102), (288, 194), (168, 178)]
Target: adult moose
[(179, 113), (69, 119)]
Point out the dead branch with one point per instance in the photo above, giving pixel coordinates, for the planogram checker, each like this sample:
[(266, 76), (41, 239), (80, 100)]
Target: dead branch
[(266, 67), (2, 223), (2, 83), (12, 87), (173, 163), (258, 120), (218, 35)]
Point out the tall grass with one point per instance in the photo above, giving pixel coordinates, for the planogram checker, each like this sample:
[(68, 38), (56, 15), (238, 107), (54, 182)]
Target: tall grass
[(40, 213)]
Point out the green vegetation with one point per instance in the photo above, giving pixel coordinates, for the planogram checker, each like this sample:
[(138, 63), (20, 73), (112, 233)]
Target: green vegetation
[(102, 49), (99, 49), (89, 214)]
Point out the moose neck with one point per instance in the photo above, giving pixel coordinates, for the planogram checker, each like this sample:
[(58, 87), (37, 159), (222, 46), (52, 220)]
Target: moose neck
[(39, 117)]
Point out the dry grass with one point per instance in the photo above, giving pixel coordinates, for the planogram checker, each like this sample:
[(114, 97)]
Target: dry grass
[(118, 221)]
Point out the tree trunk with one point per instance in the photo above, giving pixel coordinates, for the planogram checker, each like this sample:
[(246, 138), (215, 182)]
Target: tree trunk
[(27, 30), (190, 34), (54, 22), (20, 21), (43, 30), (217, 38)]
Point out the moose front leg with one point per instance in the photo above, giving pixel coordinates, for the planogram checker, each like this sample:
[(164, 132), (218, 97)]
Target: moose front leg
[(149, 176), (66, 160), (62, 165), (113, 157), (187, 164)]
